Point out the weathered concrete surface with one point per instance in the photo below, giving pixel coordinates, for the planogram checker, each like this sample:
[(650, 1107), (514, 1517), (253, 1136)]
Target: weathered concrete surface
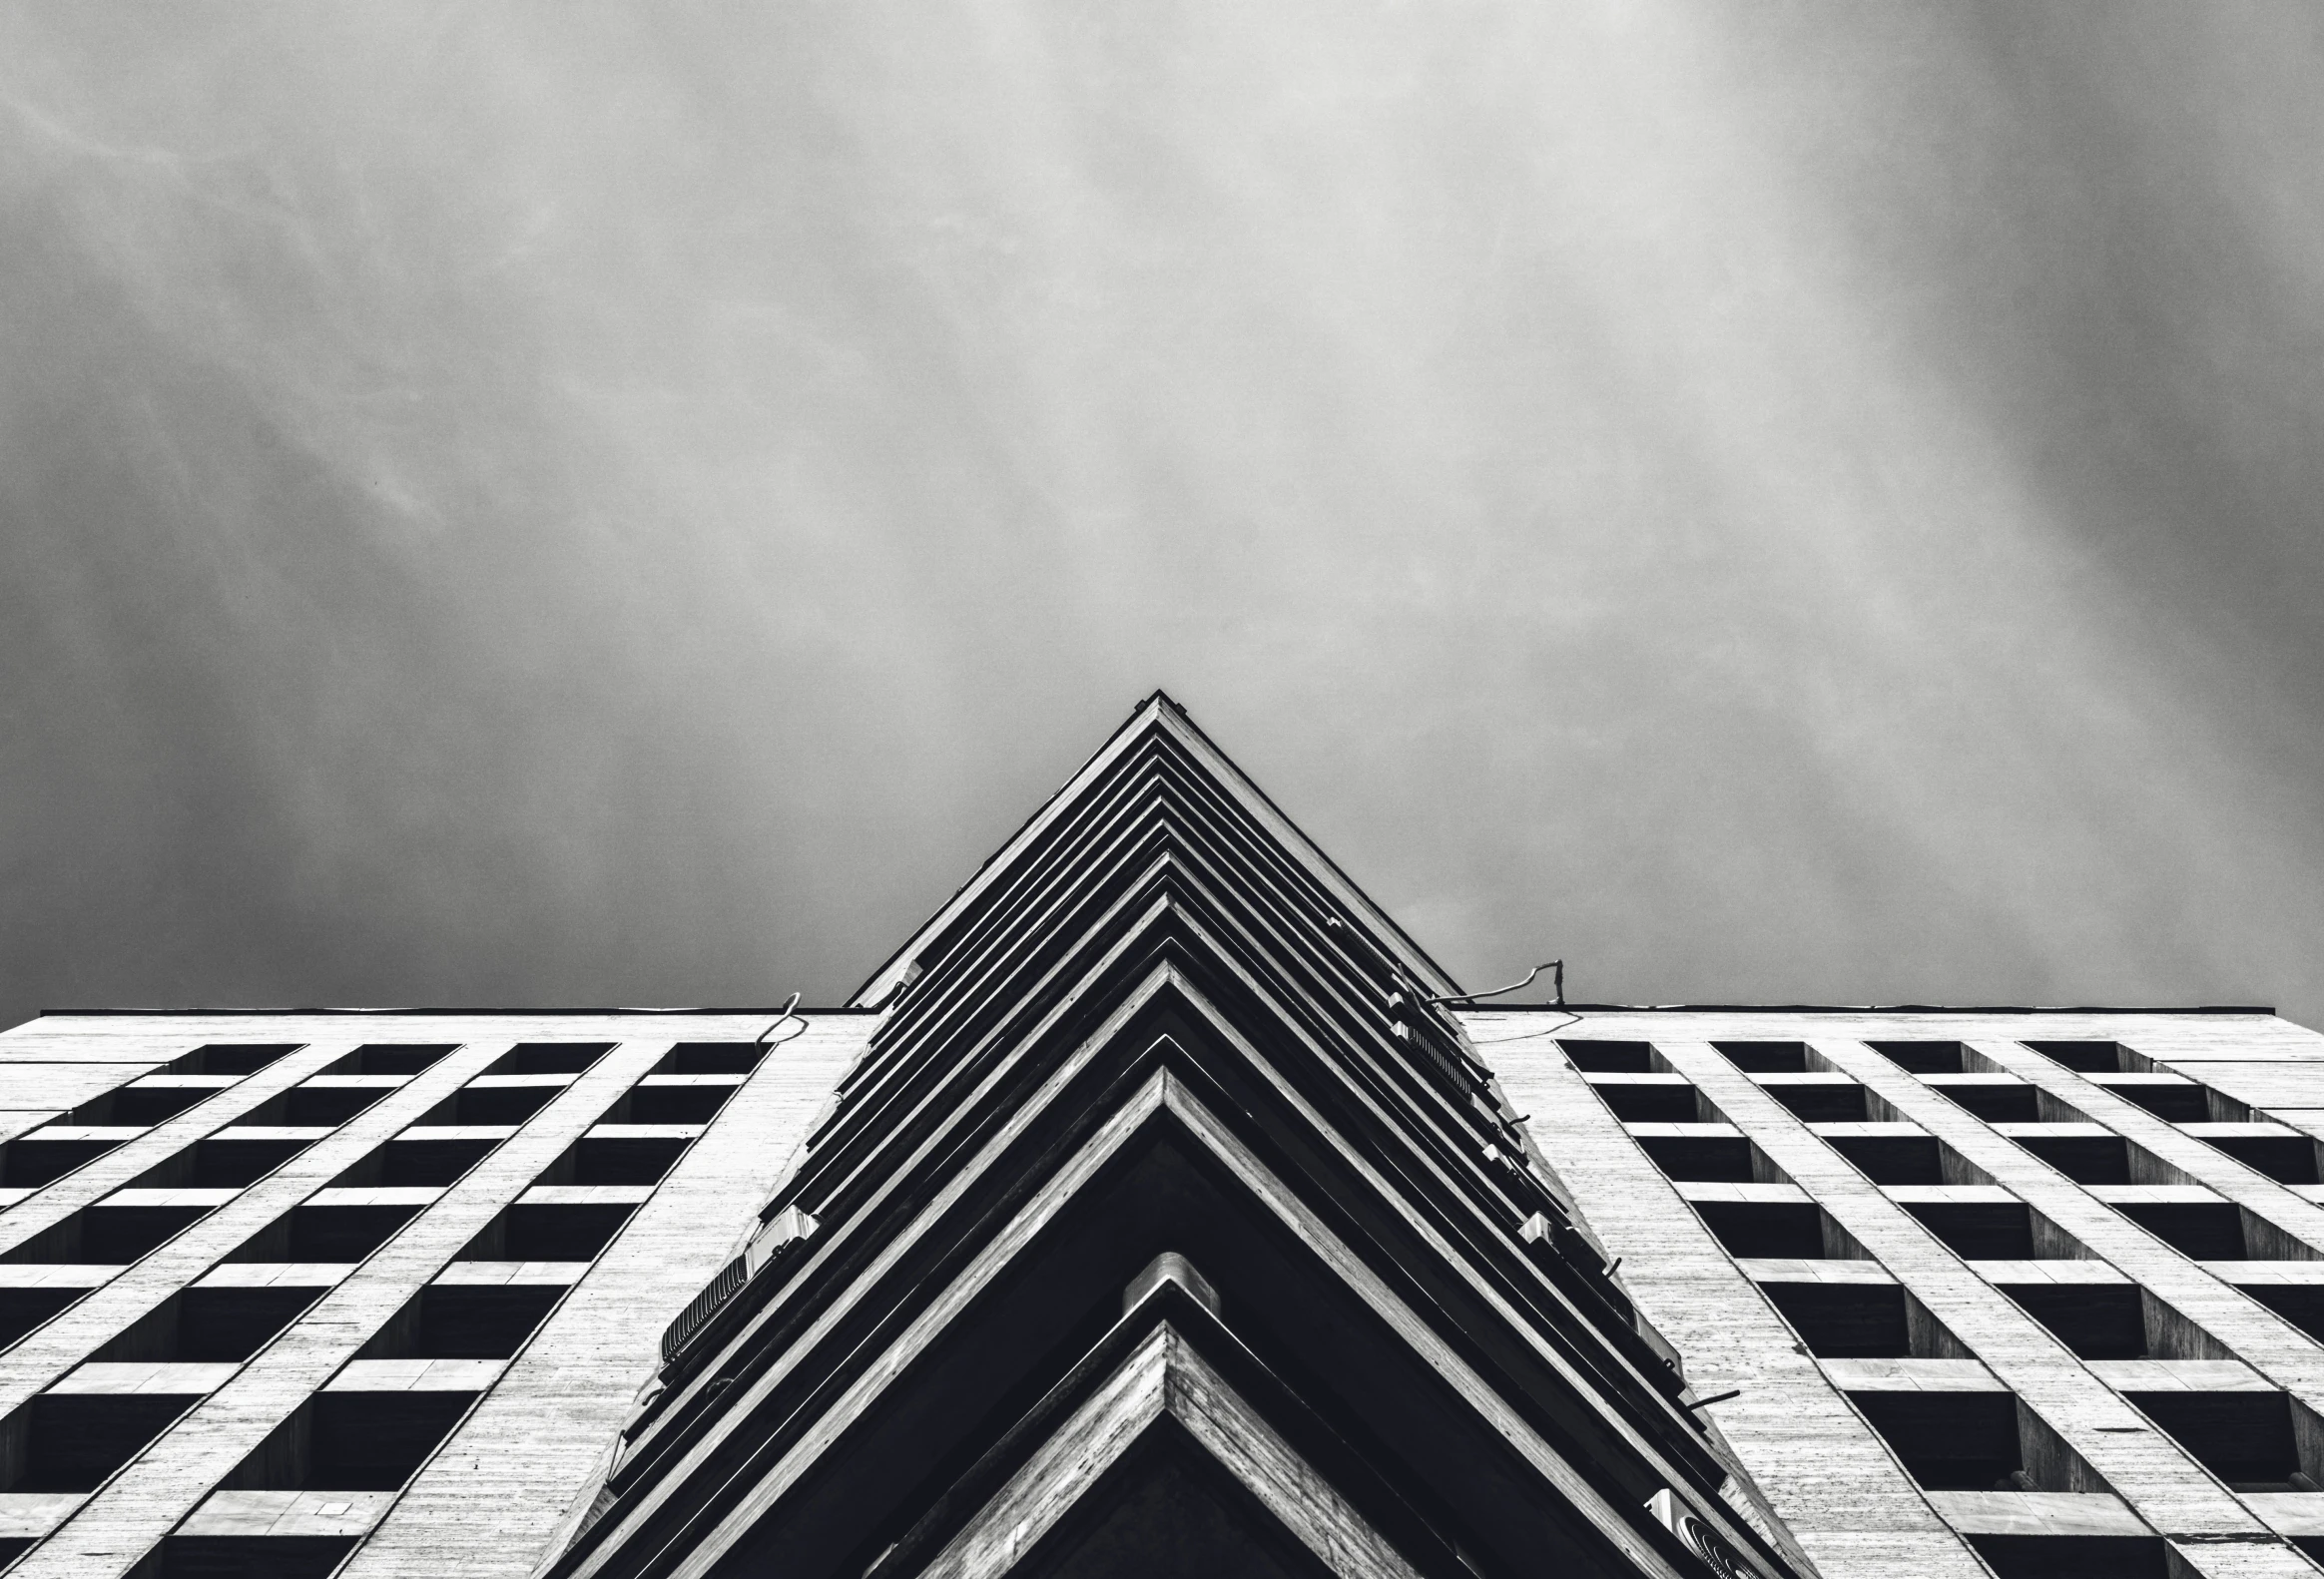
[(1715, 1321)]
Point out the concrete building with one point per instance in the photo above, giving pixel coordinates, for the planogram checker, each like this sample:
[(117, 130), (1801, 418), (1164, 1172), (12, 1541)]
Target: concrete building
[(1161, 1207)]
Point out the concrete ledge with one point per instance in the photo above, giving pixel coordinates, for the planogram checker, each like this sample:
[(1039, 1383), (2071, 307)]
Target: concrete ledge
[(585, 1195), (1954, 1195), (1787, 1268), (174, 1379), (1910, 1375), (276, 1274), (417, 1376), (287, 1514), (2271, 1274), (33, 1514), (2062, 1271), (501, 1274), (2179, 1375), (55, 1274), (2153, 1194), (1721, 1190), (378, 1195), (207, 1200), (2288, 1512), (2037, 1513)]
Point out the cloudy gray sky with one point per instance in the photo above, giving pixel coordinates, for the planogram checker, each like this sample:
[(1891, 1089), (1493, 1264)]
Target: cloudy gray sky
[(569, 503)]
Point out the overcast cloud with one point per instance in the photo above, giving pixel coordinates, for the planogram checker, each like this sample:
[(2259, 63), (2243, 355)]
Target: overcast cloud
[(581, 504)]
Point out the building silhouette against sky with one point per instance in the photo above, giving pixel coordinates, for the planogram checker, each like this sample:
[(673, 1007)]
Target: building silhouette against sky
[(1162, 1209)]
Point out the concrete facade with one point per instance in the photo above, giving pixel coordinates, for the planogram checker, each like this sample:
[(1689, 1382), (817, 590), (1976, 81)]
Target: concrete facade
[(1872, 1293), (2175, 1188), (527, 1430)]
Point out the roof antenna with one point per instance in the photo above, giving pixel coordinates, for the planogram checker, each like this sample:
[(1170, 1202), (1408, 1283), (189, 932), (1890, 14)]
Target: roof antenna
[(1557, 979)]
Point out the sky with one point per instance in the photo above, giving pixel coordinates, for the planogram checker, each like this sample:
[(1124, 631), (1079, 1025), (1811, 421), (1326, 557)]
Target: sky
[(582, 504)]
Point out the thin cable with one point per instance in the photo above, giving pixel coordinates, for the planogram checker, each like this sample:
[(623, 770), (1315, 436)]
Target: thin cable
[(787, 1014), (1558, 966)]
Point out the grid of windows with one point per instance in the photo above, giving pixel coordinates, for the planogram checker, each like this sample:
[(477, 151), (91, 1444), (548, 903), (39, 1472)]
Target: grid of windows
[(2007, 1154), (178, 1238)]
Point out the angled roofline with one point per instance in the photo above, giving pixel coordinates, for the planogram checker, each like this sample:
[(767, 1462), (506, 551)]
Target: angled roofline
[(1160, 711), (1864, 1008)]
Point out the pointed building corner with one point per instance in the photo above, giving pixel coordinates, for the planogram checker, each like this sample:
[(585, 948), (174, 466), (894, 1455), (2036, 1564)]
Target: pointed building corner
[(1159, 738), (1167, 1225)]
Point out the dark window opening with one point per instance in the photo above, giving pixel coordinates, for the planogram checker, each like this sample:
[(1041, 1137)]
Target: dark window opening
[(598, 1159), (2287, 1159), (2009, 1102), (349, 1440), (549, 1058), (230, 1160), (2097, 1321), (2179, 1103), (1822, 1103), (495, 1104), (675, 1099), (115, 1235), (1922, 1058), (327, 1235), (550, 1230), (465, 1322), (72, 1441), (2072, 1556), (1949, 1442), (254, 1556), (2199, 1230), (23, 1310), (1892, 1158), (2085, 1158), (328, 1104), (36, 1157), (2090, 1058), (1790, 1229), (142, 1105), (232, 1058), (712, 1058), (1651, 1103), (1979, 1230), (1610, 1058), (2245, 1438), (2302, 1304), (400, 1058), (1718, 1159), (1844, 1320), (425, 1155), (219, 1323), (1767, 1058)]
